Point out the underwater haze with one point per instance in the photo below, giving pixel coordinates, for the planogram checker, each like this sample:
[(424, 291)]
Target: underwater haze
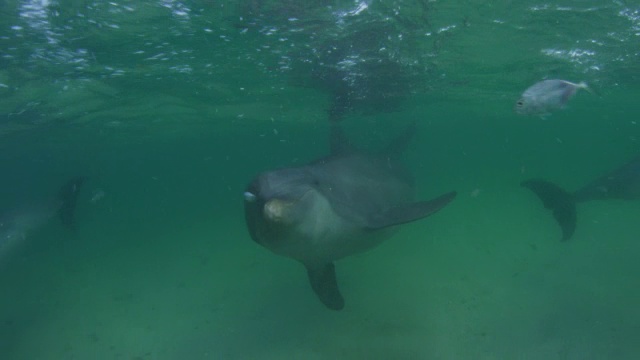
[(167, 109)]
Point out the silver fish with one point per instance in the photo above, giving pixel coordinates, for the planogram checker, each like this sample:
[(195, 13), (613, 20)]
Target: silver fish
[(547, 95)]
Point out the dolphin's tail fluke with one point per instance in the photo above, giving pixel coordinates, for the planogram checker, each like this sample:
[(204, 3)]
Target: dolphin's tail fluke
[(68, 197), (561, 202)]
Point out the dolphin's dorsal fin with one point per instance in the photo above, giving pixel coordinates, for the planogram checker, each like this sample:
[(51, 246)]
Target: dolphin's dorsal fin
[(340, 144), (324, 284), (68, 196), (408, 212), (398, 145), (338, 141)]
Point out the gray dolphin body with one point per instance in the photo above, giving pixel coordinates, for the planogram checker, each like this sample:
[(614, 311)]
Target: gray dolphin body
[(17, 223), (622, 183), (334, 207)]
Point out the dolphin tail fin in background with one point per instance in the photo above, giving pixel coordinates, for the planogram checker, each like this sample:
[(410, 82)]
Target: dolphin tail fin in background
[(68, 196), (559, 201)]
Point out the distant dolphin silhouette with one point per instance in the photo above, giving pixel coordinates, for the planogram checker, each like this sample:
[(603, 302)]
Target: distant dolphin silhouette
[(622, 183), (340, 205), (17, 223)]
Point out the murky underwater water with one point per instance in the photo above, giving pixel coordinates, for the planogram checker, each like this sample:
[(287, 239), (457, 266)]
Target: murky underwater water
[(170, 108)]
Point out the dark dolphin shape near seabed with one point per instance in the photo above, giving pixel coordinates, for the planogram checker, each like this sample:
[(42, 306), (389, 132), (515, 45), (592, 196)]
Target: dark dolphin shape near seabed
[(337, 206), (17, 223), (622, 183)]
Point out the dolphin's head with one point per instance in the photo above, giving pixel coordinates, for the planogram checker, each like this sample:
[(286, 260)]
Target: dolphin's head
[(275, 202)]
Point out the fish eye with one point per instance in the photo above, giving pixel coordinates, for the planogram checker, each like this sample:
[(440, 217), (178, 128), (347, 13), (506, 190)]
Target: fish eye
[(249, 197)]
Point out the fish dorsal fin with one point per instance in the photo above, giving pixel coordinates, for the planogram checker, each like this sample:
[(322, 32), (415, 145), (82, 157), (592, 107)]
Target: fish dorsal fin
[(408, 212), (338, 141)]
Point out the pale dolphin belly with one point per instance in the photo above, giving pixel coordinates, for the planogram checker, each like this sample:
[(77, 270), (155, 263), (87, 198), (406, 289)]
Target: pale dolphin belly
[(326, 236)]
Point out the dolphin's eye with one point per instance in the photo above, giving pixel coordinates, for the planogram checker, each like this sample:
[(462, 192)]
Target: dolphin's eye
[(520, 103), (249, 197)]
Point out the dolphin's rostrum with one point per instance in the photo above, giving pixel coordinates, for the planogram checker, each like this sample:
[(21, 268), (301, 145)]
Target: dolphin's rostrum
[(340, 205)]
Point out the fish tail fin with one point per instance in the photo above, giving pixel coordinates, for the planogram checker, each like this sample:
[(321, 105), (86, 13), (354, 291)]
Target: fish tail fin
[(68, 197), (559, 201), (583, 85)]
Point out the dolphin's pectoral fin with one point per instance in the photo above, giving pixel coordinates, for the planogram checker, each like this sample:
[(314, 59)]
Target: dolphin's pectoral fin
[(558, 200), (409, 212), (324, 283)]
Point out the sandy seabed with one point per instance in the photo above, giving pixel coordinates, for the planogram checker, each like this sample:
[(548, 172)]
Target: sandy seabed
[(486, 278)]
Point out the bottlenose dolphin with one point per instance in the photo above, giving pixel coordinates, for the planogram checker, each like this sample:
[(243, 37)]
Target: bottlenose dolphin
[(622, 183), (17, 223), (336, 206)]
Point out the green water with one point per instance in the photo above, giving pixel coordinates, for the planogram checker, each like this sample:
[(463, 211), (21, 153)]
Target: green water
[(169, 108)]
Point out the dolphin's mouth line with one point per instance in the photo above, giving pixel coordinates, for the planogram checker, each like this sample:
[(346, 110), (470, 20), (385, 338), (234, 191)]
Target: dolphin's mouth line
[(279, 210)]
